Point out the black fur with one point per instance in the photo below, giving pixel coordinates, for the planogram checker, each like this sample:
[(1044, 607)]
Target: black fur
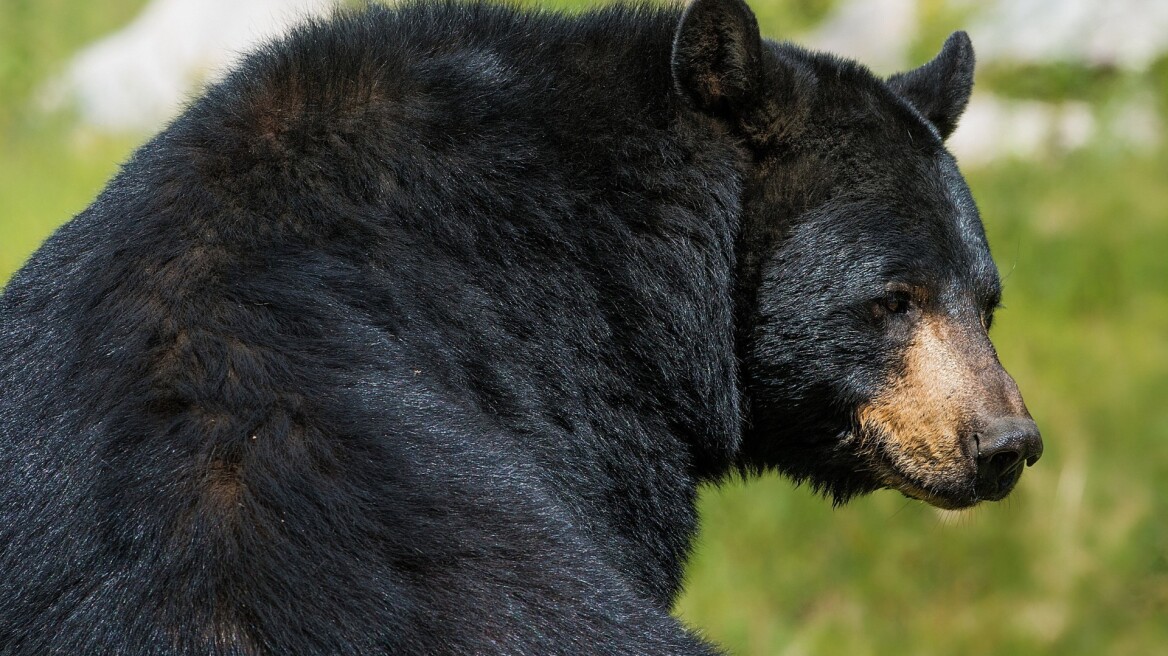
[(417, 334), (951, 72)]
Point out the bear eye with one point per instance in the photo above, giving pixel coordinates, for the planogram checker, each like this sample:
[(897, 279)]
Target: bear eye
[(896, 302)]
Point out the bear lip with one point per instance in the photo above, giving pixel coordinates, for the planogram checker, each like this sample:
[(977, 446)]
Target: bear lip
[(913, 491), (895, 478)]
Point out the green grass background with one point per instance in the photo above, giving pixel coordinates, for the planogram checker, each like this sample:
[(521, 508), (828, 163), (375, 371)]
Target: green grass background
[(1075, 562)]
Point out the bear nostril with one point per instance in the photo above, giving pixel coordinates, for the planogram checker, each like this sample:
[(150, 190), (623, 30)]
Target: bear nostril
[(1004, 460), (1010, 435), (1002, 449)]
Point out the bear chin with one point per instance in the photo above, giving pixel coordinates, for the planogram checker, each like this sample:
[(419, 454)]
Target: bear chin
[(958, 488)]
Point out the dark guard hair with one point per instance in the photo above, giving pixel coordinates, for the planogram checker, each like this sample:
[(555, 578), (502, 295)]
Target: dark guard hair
[(417, 334)]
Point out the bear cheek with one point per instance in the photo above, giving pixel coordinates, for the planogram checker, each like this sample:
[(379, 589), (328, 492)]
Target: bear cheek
[(914, 431)]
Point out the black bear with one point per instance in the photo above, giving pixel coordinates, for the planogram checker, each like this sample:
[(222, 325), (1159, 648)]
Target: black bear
[(418, 332)]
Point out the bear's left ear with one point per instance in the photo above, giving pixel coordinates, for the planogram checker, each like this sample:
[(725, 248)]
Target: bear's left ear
[(940, 89), (717, 55)]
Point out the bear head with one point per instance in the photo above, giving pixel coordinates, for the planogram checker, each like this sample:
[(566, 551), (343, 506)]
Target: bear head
[(865, 286)]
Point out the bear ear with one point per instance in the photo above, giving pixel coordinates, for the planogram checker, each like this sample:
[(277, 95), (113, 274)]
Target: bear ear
[(940, 89), (717, 55)]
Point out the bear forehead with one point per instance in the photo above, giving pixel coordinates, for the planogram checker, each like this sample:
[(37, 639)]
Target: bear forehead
[(919, 225), (849, 94)]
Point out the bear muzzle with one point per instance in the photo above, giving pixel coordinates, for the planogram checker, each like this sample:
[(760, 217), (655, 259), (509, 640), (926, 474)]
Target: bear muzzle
[(950, 428)]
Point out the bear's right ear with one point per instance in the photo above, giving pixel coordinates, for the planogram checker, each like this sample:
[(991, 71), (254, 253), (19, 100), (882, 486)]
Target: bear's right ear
[(717, 55)]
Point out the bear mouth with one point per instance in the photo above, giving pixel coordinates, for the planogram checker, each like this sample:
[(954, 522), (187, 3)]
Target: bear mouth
[(943, 499), (951, 493)]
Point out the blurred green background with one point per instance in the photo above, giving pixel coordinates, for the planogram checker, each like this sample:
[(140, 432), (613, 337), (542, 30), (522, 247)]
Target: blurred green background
[(1074, 562)]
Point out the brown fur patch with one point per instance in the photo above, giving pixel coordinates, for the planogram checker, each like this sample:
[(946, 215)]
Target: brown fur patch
[(916, 426), (224, 486)]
